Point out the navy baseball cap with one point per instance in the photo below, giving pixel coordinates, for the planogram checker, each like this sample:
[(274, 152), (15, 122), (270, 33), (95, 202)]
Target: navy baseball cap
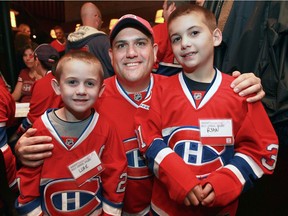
[(46, 53), (131, 20)]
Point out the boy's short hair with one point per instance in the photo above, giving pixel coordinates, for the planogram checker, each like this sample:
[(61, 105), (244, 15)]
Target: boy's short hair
[(208, 17), (79, 55), (180, 3)]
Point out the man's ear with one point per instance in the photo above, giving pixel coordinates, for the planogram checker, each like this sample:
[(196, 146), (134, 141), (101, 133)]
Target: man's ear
[(56, 86), (155, 50), (217, 37)]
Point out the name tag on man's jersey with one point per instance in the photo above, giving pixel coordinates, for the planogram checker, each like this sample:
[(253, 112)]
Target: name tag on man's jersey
[(86, 168), (216, 131)]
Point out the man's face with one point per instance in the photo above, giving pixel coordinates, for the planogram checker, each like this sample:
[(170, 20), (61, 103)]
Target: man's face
[(59, 34), (133, 55)]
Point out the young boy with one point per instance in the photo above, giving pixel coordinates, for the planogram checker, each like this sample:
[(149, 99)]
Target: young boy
[(87, 172), (224, 143)]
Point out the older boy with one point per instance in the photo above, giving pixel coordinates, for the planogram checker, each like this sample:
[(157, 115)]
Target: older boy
[(221, 146), (91, 165)]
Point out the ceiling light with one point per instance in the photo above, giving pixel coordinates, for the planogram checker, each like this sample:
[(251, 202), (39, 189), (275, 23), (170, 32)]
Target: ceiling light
[(159, 16), (112, 23)]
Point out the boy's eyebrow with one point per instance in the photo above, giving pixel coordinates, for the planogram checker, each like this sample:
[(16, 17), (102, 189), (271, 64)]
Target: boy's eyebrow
[(191, 27)]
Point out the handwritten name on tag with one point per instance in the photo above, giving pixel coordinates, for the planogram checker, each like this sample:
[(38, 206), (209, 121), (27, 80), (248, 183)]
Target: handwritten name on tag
[(216, 131), (86, 168)]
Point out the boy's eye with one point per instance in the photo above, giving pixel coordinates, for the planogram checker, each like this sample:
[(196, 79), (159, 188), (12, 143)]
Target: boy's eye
[(175, 39), (90, 84), (194, 33), (72, 82)]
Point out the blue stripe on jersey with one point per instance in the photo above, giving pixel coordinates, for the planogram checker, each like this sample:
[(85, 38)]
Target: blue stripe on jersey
[(26, 124), (3, 136), (27, 208), (113, 204), (156, 146), (246, 170)]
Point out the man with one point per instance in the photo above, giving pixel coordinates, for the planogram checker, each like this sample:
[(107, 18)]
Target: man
[(89, 38), (133, 53), (24, 29), (60, 42)]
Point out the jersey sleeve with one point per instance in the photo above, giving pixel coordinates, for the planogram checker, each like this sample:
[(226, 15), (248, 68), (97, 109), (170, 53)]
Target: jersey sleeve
[(114, 176), (7, 112), (256, 148), (167, 166), (28, 180)]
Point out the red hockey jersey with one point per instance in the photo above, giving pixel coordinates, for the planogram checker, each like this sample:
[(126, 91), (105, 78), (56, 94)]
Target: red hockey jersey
[(7, 113), (81, 180), (120, 108), (224, 141)]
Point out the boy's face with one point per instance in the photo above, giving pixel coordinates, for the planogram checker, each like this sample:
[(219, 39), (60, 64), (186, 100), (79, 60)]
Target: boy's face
[(132, 55), (192, 41), (79, 86)]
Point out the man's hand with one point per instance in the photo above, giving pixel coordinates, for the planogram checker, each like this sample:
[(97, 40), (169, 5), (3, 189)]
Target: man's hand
[(32, 150), (246, 84)]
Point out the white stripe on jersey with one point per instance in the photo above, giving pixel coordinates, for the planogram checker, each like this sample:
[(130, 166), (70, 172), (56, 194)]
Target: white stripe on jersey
[(158, 159), (82, 137), (254, 166), (236, 172), (214, 87), (126, 96)]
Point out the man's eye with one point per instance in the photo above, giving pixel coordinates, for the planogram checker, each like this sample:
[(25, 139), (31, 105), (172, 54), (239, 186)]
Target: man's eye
[(141, 43), (119, 46)]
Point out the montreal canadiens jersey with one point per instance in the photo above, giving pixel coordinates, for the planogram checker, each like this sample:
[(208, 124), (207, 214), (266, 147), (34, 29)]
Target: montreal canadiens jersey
[(79, 180), (224, 141), (120, 108), (7, 113)]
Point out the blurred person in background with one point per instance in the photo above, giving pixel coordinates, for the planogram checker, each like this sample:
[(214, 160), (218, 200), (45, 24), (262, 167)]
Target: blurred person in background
[(60, 42), (88, 37), (27, 77)]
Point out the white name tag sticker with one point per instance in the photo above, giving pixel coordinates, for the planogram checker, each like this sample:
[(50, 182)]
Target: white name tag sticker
[(86, 168), (216, 131)]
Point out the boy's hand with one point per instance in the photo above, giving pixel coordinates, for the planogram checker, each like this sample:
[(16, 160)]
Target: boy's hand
[(208, 195), (246, 84), (194, 196), (32, 150)]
